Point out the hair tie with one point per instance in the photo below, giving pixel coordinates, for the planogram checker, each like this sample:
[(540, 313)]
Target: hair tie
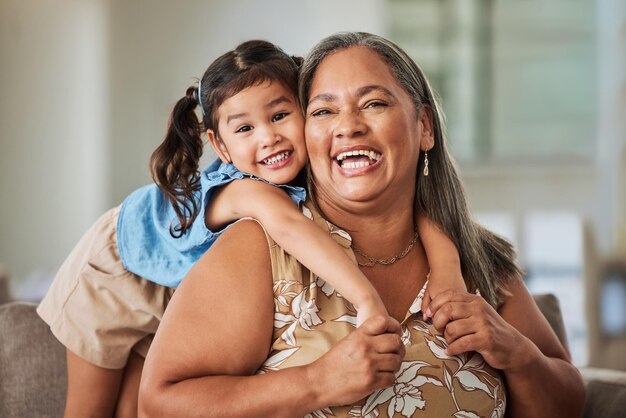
[(199, 97)]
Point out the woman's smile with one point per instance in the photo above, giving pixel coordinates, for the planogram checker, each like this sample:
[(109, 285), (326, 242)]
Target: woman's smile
[(363, 120), (356, 160)]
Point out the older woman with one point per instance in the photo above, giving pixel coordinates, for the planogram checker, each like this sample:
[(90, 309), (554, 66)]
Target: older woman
[(250, 332)]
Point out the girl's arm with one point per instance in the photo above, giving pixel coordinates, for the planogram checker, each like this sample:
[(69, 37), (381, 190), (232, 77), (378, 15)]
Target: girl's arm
[(444, 261), (217, 331), (298, 236), (541, 381)]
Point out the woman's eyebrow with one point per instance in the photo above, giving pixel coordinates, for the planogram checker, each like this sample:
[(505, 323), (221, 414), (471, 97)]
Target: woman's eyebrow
[(360, 92), (324, 97)]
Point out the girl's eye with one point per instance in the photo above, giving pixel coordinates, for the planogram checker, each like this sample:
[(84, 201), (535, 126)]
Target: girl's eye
[(244, 128), (279, 116)]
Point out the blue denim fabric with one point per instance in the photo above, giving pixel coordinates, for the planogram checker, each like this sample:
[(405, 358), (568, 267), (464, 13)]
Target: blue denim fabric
[(143, 228)]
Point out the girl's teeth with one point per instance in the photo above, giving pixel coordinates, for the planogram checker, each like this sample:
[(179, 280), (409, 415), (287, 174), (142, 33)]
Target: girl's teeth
[(276, 158)]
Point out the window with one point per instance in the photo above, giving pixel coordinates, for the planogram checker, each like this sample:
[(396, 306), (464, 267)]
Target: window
[(517, 78), (550, 247)]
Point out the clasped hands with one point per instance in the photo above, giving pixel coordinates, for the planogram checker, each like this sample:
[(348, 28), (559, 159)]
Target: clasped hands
[(368, 358)]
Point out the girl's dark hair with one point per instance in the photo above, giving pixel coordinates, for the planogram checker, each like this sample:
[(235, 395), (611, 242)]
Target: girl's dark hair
[(174, 164)]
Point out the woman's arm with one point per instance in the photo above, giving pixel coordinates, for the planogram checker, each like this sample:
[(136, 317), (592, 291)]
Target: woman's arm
[(541, 380), (299, 237), (217, 330)]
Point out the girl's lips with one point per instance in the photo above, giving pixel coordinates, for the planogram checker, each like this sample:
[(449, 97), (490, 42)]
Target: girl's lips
[(278, 159)]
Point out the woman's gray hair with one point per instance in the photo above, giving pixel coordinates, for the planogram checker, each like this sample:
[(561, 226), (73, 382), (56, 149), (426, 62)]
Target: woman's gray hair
[(487, 260)]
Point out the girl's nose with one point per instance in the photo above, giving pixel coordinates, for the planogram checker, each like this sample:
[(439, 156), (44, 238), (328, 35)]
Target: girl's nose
[(269, 138)]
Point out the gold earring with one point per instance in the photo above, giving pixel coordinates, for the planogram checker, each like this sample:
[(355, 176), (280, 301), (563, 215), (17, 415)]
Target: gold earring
[(425, 163)]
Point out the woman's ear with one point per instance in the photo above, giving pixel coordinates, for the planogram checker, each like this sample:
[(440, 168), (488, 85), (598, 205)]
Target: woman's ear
[(425, 119), (218, 146)]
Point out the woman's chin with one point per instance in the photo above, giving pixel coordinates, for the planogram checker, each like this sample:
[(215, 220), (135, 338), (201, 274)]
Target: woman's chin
[(359, 191)]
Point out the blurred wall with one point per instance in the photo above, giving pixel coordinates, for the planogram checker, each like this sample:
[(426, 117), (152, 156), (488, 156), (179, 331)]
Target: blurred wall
[(54, 84), (87, 87)]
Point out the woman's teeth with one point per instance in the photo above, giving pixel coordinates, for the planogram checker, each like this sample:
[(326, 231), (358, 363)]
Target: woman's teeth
[(276, 158), (357, 162)]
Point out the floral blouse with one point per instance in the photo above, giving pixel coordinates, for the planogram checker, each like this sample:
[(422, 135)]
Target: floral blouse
[(310, 317)]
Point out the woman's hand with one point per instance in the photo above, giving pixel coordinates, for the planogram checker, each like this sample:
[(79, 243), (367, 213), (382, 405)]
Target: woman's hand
[(365, 360), (469, 323)]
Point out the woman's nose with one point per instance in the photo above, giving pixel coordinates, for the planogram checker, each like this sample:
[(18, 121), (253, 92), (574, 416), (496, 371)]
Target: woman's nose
[(349, 124)]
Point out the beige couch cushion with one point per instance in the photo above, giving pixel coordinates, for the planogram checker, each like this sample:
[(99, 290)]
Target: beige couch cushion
[(32, 365), (549, 305)]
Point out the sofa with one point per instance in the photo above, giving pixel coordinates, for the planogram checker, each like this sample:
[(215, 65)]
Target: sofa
[(33, 367)]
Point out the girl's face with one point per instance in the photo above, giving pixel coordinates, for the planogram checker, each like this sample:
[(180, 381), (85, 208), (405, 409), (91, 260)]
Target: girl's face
[(261, 131)]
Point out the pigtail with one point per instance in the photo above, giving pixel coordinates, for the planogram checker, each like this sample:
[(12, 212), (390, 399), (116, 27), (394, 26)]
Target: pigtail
[(174, 164)]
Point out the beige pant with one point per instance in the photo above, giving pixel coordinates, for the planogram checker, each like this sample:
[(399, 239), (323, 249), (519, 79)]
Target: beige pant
[(98, 309)]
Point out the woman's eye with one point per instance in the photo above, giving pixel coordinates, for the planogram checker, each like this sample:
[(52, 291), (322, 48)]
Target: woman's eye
[(371, 105), (244, 128), (279, 116), (321, 112)]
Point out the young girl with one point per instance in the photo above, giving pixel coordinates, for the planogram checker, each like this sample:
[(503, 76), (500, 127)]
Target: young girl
[(108, 297)]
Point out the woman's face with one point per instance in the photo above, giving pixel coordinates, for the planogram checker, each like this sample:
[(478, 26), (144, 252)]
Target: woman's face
[(362, 132)]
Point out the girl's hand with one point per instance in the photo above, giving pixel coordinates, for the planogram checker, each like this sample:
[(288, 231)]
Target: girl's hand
[(365, 360), (370, 309), (469, 323), (438, 282)]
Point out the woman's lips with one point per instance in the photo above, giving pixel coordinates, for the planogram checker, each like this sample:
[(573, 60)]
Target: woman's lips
[(357, 165), (355, 160)]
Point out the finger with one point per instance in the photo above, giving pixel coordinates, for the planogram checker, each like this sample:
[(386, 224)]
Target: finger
[(388, 343), (450, 295), (450, 312), (384, 380), (393, 326), (426, 314), (388, 363), (457, 329), (376, 325), (462, 345)]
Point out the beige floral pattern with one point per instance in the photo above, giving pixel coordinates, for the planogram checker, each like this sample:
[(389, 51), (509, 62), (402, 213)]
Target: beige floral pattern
[(310, 317)]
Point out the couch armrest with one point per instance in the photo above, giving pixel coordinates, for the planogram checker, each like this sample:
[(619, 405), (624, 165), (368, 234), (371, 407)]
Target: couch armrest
[(606, 392)]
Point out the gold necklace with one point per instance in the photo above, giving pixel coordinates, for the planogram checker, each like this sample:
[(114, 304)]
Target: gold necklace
[(372, 261)]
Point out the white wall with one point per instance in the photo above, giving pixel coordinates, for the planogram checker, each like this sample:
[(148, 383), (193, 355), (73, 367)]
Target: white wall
[(53, 119), (160, 47), (87, 87)]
